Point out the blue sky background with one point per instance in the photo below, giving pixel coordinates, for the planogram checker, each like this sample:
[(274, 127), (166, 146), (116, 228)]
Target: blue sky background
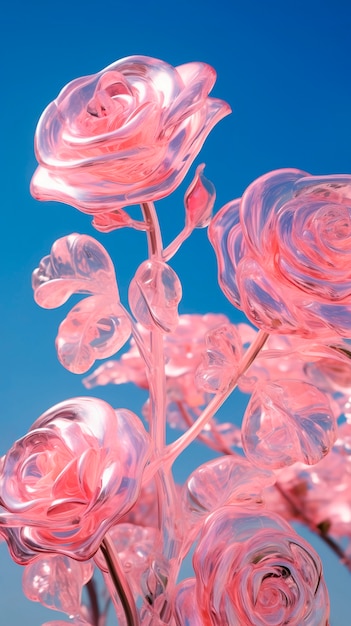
[(285, 69)]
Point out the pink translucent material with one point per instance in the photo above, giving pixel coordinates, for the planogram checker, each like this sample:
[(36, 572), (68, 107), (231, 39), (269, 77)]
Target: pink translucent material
[(199, 200), (220, 361), (96, 327), (87, 486), (288, 421), (191, 372), (125, 135), (226, 480), (319, 495), (154, 295), (283, 253), (56, 581), (252, 569), (70, 478), (145, 510), (185, 348), (135, 547), (290, 356)]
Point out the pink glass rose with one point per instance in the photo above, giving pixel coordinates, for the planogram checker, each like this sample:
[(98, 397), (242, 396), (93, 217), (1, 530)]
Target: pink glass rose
[(76, 472), (125, 135), (252, 569), (283, 253)]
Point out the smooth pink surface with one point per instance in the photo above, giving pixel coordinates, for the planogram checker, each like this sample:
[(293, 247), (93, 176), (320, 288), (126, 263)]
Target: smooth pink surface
[(283, 253), (154, 295), (320, 495), (224, 349), (125, 135), (98, 326), (252, 569), (56, 581), (199, 200), (70, 478), (225, 480), (287, 421)]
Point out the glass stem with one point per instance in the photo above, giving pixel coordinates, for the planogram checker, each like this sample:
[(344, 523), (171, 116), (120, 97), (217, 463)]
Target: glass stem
[(180, 444), (164, 482), (120, 589), (94, 603)]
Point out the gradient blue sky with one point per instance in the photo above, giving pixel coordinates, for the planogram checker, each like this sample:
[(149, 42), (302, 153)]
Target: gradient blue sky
[(285, 69)]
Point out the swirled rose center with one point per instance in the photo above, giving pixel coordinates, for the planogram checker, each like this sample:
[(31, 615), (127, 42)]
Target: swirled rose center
[(114, 99), (109, 108), (334, 227), (274, 593), (41, 469)]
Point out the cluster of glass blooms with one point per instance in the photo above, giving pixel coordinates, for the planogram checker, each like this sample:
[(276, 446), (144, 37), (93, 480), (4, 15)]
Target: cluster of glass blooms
[(90, 487)]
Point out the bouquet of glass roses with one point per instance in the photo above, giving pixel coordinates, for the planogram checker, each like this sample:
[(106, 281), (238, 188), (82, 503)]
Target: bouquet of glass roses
[(90, 488)]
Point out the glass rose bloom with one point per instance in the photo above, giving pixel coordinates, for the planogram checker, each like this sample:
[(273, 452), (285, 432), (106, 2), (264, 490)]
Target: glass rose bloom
[(125, 135), (252, 569), (284, 253), (76, 472)]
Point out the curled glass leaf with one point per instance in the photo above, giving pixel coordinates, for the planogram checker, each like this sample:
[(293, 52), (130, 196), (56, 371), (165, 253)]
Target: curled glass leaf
[(221, 359), (288, 421), (96, 327), (56, 581), (76, 264), (111, 220), (227, 480), (154, 295)]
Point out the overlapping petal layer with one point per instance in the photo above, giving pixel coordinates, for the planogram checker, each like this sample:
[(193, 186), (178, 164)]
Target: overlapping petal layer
[(252, 568), (125, 135), (70, 478), (284, 252)]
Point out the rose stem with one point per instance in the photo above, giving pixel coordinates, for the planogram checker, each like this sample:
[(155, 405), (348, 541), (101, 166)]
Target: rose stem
[(120, 582), (328, 540), (94, 604), (219, 445), (174, 449), (156, 374), (158, 394)]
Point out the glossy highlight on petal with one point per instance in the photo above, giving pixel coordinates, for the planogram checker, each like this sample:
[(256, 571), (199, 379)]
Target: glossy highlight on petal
[(252, 568), (283, 253), (125, 135), (76, 472)]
